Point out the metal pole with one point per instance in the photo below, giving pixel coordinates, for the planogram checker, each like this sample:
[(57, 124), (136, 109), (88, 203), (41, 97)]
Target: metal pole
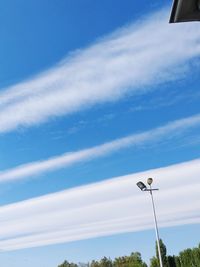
[(156, 228)]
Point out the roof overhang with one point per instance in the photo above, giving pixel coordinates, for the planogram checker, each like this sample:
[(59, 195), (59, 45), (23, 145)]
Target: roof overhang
[(185, 11)]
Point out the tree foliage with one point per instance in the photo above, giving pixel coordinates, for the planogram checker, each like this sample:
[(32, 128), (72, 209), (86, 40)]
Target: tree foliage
[(67, 264), (186, 258), (163, 251), (154, 262)]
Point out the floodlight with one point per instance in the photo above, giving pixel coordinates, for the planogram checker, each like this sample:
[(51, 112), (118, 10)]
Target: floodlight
[(185, 11), (142, 186)]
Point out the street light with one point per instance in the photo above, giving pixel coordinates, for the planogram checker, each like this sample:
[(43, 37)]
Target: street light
[(143, 187), (185, 11)]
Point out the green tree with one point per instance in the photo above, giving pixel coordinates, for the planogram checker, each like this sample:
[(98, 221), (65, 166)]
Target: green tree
[(196, 256), (154, 262), (186, 258), (171, 261), (94, 264), (134, 260), (177, 261), (67, 264), (120, 262), (105, 262), (163, 251), (190, 257)]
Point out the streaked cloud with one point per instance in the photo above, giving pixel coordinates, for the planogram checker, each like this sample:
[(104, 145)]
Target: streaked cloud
[(105, 208), (171, 129), (129, 61)]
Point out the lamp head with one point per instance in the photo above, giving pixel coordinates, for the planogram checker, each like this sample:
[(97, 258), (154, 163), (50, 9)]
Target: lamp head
[(142, 186), (149, 181)]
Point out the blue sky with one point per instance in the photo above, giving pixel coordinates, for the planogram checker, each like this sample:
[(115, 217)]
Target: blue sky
[(95, 95)]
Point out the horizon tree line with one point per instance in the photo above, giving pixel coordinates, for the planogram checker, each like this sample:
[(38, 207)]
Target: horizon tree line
[(189, 257)]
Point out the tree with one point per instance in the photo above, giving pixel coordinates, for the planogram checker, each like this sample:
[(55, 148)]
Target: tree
[(120, 262), (134, 260), (105, 262), (94, 264), (154, 262), (196, 256), (177, 261), (163, 251), (186, 258), (67, 264), (171, 261), (190, 257)]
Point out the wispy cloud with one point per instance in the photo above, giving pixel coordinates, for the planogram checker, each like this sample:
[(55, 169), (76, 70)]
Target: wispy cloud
[(171, 129), (132, 59), (170, 98), (105, 208)]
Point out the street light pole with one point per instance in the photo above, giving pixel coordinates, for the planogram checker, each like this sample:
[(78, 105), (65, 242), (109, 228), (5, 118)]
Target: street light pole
[(143, 187), (156, 228)]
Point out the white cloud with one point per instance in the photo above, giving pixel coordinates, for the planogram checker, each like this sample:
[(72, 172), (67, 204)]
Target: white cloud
[(146, 53), (105, 208), (171, 129)]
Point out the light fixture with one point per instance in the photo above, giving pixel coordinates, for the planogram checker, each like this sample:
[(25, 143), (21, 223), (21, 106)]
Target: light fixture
[(142, 186), (185, 11)]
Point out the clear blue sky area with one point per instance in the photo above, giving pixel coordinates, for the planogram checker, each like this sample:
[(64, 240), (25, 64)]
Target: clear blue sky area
[(78, 74)]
